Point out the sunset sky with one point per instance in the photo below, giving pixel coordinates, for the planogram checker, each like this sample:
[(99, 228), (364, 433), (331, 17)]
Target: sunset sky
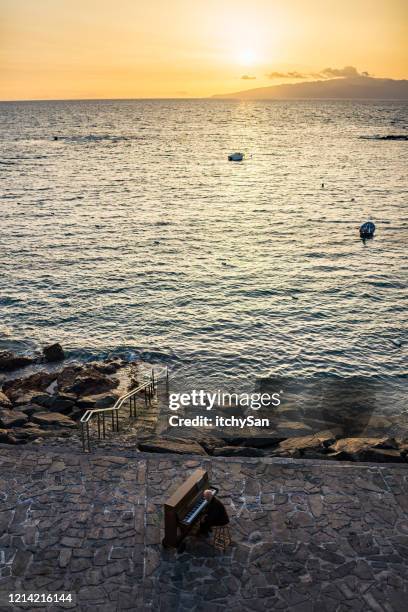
[(52, 49)]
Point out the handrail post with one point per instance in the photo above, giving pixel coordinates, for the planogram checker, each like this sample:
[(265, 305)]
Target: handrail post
[(167, 382), (83, 436), (88, 437)]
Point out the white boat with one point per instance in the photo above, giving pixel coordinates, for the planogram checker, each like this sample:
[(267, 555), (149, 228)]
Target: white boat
[(235, 156)]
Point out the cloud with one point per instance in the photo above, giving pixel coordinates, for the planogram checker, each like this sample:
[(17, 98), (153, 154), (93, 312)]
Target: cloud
[(287, 75), (347, 71), (327, 73), (247, 77)]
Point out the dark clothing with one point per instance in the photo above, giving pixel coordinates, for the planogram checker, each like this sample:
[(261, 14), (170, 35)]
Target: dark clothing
[(216, 515)]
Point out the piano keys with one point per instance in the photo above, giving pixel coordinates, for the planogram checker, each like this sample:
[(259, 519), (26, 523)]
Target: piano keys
[(183, 510)]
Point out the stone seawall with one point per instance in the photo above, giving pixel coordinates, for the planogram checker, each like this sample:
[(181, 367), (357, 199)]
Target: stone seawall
[(307, 535)]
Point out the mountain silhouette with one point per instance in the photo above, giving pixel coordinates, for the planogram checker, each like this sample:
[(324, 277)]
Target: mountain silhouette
[(358, 87)]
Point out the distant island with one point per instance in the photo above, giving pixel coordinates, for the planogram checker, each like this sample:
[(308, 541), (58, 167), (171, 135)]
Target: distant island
[(358, 87)]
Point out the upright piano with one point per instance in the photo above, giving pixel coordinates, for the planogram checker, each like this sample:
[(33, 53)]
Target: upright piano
[(184, 509)]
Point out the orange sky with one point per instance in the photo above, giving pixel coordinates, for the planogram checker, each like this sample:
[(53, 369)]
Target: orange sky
[(52, 49)]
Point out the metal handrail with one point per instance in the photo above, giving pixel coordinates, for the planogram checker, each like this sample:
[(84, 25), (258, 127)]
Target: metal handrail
[(148, 387)]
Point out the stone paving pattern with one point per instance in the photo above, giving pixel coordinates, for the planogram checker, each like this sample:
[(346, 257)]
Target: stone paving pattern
[(307, 535)]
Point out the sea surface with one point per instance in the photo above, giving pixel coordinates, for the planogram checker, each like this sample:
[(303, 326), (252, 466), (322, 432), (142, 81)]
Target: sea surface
[(131, 234)]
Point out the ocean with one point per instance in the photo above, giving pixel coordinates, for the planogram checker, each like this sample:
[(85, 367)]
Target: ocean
[(131, 234)]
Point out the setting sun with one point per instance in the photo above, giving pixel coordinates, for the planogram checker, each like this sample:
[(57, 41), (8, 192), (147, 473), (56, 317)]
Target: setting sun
[(247, 57)]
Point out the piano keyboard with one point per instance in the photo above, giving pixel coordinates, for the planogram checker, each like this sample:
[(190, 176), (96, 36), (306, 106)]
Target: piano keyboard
[(195, 511)]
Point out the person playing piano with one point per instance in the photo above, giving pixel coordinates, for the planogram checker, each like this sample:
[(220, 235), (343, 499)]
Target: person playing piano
[(215, 513)]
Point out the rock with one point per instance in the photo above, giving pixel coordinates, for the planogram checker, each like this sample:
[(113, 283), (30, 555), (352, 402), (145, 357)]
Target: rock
[(10, 361), (53, 352), (237, 451), (381, 455), (41, 399), (366, 449), (102, 400), (178, 446), (316, 442), (91, 382), (355, 445), (391, 137), (4, 401), (253, 442), (12, 418), (26, 434), (61, 403), (207, 441), (3, 435), (52, 419), (109, 367), (7, 438), (27, 388), (76, 413)]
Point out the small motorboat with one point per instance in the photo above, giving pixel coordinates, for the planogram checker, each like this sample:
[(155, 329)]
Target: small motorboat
[(367, 230), (236, 156)]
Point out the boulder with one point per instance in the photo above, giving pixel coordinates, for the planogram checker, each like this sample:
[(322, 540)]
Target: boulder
[(67, 376), (32, 397), (109, 367), (53, 352), (3, 435), (52, 419), (34, 384), (28, 434), (237, 451), (178, 446), (356, 445), (88, 382), (253, 442), (381, 455), (204, 439), (7, 437), (366, 449), (316, 442), (10, 361), (76, 413), (30, 409), (63, 403), (101, 400), (12, 418), (4, 401)]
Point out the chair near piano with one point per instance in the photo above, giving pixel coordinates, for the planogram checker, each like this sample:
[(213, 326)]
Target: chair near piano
[(185, 509)]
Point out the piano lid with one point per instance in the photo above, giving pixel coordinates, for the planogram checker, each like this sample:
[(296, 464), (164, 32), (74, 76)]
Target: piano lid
[(198, 481)]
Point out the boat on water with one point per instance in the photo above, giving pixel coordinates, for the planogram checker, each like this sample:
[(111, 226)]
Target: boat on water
[(237, 157), (367, 230)]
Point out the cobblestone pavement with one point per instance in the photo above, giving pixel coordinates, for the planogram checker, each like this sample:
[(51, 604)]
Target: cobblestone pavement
[(306, 535)]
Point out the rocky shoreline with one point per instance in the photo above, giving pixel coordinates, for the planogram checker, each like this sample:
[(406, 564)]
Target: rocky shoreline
[(46, 404), (322, 445), (44, 407)]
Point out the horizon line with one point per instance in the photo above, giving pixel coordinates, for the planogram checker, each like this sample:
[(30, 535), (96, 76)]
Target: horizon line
[(215, 97)]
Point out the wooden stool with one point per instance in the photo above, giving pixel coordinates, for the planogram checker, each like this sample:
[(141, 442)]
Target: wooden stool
[(222, 537)]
